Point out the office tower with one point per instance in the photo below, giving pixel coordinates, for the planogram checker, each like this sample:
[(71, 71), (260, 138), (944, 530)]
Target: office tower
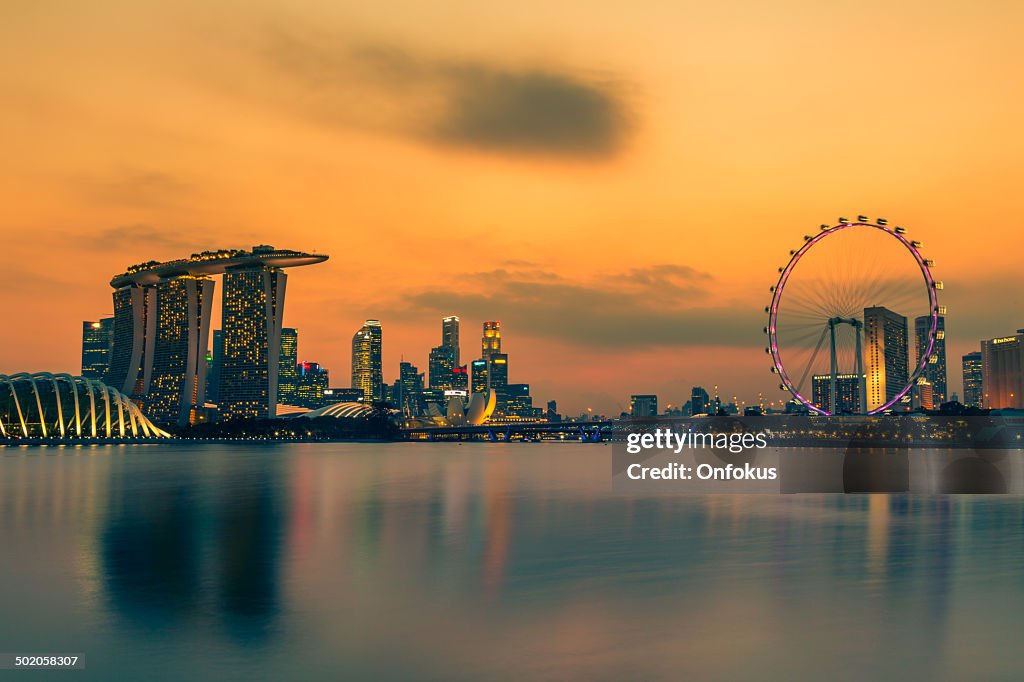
[(886, 360), (973, 387), (177, 388), (209, 371), (131, 353), (699, 401), (213, 372), (288, 366), (410, 393), (434, 401), (311, 380), (520, 403), (460, 379), (922, 395), (252, 310), (450, 335), (847, 393), (367, 373), (491, 342), (644, 405), (497, 371), (552, 412), (935, 370), (479, 379), (97, 339), (1002, 371), (442, 367)]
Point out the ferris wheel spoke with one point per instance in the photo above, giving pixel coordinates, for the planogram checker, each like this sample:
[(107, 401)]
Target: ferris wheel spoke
[(810, 362)]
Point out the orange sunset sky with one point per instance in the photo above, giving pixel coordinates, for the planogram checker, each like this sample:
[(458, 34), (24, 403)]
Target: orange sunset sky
[(616, 182)]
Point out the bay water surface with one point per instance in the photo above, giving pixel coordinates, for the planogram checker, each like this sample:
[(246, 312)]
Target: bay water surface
[(486, 561)]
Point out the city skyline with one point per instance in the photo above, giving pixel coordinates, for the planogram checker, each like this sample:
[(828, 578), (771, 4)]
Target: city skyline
[(305, 384), (442, 358), (638, 242)]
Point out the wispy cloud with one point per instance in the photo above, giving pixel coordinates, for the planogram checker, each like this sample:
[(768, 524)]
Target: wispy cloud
[(135, 187), (143, 238), (661, 306)]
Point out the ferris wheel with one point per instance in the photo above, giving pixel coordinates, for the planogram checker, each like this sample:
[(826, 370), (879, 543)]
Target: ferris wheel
[(854, 318)]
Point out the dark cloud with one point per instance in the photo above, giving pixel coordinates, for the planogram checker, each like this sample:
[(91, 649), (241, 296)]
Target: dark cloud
[(455, 102), (661, 306), (531, 112)]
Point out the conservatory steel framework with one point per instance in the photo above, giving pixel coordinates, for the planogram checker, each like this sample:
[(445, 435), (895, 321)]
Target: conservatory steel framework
[(61, 406)]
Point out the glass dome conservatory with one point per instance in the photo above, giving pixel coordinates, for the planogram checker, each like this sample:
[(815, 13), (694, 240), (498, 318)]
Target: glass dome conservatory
[(60, 406)]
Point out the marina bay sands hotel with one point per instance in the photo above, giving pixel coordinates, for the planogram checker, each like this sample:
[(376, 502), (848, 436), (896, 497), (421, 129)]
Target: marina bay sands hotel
[(161, 332)]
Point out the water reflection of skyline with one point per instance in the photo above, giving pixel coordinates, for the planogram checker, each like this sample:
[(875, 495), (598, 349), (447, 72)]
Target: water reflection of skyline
[(478, 556)]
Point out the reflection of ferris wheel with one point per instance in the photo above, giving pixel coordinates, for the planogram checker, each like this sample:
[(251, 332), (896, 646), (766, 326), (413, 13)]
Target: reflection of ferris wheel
[(843, 314)]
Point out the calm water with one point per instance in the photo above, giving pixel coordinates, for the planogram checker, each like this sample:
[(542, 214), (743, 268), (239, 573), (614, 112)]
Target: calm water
[(486, 561)]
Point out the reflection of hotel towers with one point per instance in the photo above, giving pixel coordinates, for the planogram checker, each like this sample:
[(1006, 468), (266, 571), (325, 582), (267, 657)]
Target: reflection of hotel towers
[(885, 362), (162, 326)]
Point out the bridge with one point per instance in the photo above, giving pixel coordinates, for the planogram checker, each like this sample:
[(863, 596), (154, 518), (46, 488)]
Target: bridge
[(586, 432)]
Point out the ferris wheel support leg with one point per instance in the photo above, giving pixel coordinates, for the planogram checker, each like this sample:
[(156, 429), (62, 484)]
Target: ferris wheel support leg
[(832, 375)]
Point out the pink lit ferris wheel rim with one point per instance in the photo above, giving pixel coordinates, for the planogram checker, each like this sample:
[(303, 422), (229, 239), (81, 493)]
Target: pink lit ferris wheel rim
[(773, 311)]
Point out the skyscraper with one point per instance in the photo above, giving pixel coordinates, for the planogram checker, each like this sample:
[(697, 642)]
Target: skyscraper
[(442, 367), (922, 395), (450, 335), (131, 354), (520, 403), (410, 389), (310, 382), (935, 370), (886, 360), (177, 387), (699, 400), (479, 380), (645, 405), (367, 373), (460, 378), (974, 395), (491, 342), (847, 393), (498, 374), (213, 373), (1002, 370), (288, 372), (97, 339), (252, 310)]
